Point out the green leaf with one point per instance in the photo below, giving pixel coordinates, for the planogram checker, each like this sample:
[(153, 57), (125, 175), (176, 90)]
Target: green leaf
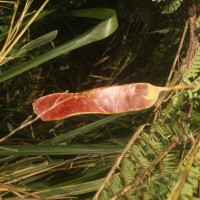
[(58, 149), (71, 190), (36, 43), (98, 32)]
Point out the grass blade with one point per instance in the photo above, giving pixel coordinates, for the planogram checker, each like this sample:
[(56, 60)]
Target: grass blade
[(58, 149), (36, 43)]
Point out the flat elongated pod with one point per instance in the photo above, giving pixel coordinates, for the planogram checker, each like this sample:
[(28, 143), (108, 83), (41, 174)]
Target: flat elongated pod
[(104, 100)]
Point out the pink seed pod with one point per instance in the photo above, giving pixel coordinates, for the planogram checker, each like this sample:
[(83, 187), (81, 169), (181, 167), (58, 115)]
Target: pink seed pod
[(104, 100)]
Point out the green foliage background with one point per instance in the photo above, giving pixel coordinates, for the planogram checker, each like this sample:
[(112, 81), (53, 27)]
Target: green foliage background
[(71, 157)]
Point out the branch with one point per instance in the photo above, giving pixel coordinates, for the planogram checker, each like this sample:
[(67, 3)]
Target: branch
[(194, 43)]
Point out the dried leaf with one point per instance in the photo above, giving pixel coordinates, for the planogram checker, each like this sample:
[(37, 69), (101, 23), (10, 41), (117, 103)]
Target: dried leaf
[(105, 100)]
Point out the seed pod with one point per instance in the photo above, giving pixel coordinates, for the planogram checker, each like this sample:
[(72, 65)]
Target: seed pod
[(105, 100)]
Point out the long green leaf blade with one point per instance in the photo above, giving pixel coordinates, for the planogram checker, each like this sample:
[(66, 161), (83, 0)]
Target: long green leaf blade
[(58, 149)]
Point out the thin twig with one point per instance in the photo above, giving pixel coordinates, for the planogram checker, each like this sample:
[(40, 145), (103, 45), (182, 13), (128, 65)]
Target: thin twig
[(13, 19), (122, 68), (11, 2), (13, 30), (16, 28), (178, 53), (22, 32), (66, 163), (118, 161), (14, 189), (193, 36), (185, 158), (23, 125)]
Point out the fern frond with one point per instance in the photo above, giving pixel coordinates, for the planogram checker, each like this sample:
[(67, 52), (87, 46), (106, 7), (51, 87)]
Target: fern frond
[(104, 195), (192, 76), (128, 170), (115, 183), (172, 6), (169, 6), (195, 117), (198, 22)]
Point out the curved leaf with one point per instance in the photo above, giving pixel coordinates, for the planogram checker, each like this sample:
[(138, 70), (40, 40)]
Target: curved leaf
[(98, 32)]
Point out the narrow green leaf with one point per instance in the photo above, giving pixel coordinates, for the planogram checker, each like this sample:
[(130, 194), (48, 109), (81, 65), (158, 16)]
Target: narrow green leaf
[(82, 188), (58, 149), (36, 43)]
